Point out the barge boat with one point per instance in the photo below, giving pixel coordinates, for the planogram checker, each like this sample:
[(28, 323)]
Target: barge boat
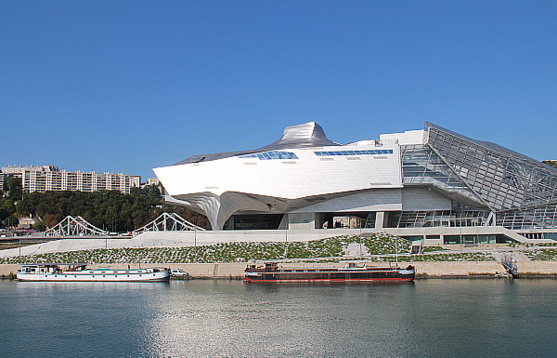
[(351, 273), (80, 272)]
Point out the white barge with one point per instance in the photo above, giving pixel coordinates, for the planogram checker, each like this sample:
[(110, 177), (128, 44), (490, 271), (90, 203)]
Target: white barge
[(80, 273)]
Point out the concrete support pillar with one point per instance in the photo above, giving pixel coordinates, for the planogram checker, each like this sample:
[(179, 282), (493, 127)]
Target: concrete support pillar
[(230, 223), (302, 221), (319, 220), (381, 218), (284, 223)]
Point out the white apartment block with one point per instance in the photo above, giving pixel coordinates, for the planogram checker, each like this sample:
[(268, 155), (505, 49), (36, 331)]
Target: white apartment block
[(50, 178)]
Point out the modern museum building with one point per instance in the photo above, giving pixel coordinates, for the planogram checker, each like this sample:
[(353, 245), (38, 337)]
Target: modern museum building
[(432, 185)]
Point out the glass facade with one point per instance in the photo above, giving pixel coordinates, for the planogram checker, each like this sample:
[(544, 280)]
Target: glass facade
[(271, 155), (439, 218), (421, 165), (540, 217), (521, 191), (353, 152), (476, 239)]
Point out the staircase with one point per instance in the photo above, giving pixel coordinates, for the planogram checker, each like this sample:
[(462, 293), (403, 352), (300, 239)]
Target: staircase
[(510, 266)]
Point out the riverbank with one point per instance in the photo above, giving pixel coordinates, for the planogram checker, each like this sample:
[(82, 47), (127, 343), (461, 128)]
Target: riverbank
[(463, 269)]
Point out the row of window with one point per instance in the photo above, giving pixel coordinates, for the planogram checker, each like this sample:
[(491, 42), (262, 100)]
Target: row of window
[(354, 152), (290, 155), (271, 155)]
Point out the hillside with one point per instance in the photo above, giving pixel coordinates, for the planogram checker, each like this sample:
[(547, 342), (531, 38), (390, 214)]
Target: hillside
[(109, 210)]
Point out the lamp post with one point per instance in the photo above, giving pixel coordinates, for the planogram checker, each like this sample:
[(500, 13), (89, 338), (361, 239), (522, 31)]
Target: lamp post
[(361, 256), (461, 248), (396, 251), (286, 244)]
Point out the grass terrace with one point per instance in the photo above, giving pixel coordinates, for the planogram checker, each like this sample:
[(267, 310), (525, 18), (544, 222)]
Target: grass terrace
[(541, 254), (380, 247)]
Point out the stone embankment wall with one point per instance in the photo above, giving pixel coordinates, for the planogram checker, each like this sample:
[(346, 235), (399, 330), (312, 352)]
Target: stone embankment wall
[(429, 269)]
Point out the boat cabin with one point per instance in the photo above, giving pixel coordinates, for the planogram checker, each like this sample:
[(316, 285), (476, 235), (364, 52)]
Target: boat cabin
[(39, 268), (51, 268), (356, 265), (268, 267)]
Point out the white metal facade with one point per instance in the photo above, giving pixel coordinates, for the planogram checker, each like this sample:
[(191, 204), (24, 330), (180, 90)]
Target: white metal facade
[(289, 175), (416, 179)]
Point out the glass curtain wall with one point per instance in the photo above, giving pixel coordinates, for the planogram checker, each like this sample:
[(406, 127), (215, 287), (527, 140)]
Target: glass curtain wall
[(422, 166), (520, 190)]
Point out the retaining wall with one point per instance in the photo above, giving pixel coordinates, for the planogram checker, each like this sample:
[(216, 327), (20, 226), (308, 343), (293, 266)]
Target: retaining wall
[(432, 269)]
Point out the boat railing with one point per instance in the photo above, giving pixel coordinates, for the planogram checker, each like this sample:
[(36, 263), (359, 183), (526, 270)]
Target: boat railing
[(356, 266)]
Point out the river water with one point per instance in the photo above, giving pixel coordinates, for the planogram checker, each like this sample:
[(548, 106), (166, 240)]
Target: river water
[(229, 318)]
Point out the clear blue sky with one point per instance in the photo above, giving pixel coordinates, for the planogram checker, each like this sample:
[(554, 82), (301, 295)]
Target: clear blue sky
[(125, 86)]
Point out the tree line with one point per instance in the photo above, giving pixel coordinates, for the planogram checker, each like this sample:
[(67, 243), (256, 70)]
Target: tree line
[(11, 193), (107, 210)]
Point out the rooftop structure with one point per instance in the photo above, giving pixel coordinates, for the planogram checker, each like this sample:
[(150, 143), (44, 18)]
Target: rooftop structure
[(17, 170), (430, 178)]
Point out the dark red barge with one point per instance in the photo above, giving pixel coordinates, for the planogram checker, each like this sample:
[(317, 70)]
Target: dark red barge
[(351, 273)]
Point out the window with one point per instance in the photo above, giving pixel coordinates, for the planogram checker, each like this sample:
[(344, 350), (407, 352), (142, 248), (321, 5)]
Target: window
[(354, 152), (271, 155)]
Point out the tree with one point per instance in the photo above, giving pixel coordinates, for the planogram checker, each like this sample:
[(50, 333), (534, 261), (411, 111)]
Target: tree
[(23, 208), (51, 220), (11, 221), (15, 189), (39, 225), (109, 210), (7, 208)]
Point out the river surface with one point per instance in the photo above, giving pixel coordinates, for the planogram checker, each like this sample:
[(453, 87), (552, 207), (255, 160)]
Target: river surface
[(472, 318)]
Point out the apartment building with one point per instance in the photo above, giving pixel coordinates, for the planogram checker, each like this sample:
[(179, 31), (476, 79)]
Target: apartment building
[(51, 178)]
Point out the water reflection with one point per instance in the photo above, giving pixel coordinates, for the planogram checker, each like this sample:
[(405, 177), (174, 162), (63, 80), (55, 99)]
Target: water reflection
[(230, 318), (428, 318)]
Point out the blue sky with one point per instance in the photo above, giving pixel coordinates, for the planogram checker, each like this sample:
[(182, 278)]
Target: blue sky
[(125, 86)]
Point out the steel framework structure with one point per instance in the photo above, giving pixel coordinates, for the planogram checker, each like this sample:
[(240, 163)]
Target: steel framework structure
[(520, 191), (77, 226), (489, 184), (168, 222)]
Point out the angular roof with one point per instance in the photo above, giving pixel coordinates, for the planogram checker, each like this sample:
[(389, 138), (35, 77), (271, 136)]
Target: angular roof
[(304, 135), (502, 178), (308, 134)]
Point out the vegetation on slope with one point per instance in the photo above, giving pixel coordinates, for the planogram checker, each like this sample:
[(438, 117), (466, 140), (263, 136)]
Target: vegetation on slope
[(541, 254), (9, 195), (109, 210), (330, 248)]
